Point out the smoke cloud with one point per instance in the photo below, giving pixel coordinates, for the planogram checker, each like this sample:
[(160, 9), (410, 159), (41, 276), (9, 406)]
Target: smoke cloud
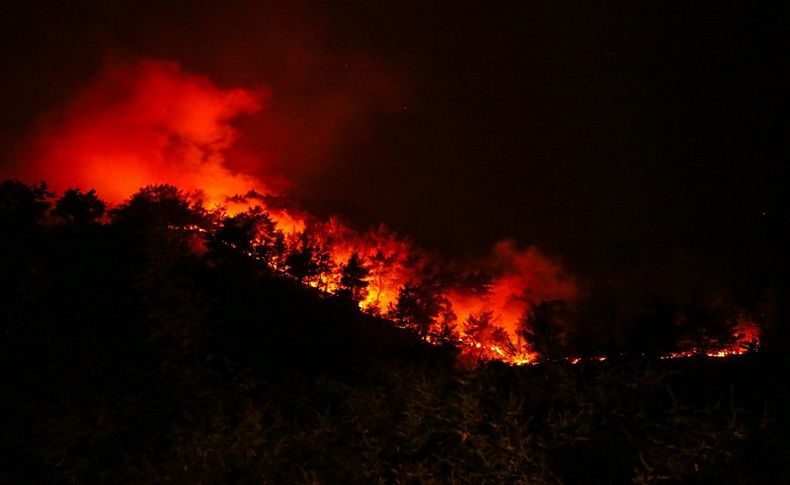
[(143, 123), (521, 278)]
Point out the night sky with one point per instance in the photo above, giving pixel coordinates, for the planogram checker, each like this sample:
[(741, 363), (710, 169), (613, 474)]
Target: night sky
[(610, 135)]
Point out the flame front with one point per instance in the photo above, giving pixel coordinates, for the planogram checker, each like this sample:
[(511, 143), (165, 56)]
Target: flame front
[(745, 338)]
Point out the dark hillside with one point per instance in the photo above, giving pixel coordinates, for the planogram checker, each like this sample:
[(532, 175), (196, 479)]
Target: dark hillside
[(131, 355)]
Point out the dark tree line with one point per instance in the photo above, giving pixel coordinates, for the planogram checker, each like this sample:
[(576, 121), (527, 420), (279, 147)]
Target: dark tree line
[(607, 322), (159, 341)]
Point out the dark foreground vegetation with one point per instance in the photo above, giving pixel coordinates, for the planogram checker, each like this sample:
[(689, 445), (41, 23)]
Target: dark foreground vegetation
[(130, 357)]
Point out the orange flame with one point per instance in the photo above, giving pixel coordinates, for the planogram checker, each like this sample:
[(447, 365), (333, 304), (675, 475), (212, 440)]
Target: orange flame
[(745, 338)]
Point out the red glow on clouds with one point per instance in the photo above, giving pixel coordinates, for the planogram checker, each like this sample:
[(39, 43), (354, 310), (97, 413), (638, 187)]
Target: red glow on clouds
[(146, 123)]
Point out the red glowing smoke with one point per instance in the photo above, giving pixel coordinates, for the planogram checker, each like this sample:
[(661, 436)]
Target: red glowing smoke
[(521, 279), (146, 123)]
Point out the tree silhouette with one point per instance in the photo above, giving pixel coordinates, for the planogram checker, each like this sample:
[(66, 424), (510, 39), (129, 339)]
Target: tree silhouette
[(78, 208), (308, 260), (380, 264), (253, 233), (161, 228), (445, 328), (157, 207), (482, 330), (542, 326), (300, 263), (418, 305), (22, 206), (353, 282)]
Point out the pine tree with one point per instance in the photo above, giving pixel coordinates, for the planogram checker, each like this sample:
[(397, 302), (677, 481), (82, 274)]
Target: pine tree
[(353, 278)]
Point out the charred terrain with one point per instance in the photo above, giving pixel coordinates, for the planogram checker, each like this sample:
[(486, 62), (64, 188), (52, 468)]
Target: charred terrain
[(157, 343)]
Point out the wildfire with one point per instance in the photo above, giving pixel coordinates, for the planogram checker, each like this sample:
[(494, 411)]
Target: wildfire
[(745, 338), (152, 123)]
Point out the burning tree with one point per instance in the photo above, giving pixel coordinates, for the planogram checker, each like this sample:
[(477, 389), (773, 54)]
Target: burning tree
[(353, 278), (253, 233), (418, 306), (491, 339), (308, 261)]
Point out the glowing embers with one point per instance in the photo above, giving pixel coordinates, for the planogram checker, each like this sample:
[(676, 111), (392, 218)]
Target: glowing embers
[(745, 338)]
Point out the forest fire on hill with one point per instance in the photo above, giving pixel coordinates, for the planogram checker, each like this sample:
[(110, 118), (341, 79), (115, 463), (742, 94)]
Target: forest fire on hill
[(152, 123)]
